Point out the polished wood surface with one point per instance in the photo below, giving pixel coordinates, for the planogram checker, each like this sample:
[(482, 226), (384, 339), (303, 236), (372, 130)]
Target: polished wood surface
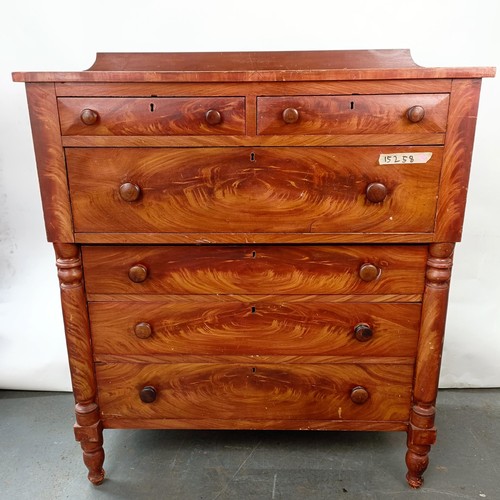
[(254, 66), (421, 431), (252, 190), (255, 141), (457, 160), (89, 116), (50, 162), (254, 269), (191, 89), (255, 61), (246, 256), (269, 327), (262, 391), (249, 238), (296, 298), (153, 116), (247, 424), (88, 426), (351, 114)]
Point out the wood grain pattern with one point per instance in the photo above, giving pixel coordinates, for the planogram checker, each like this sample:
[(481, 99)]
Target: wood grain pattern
[(253, 61), (352, 114), (254, 66), (291, 299), (245, 424), (251, 190), (88, 427), (250, 238), (165, 359), (191, 89), (152, 116), (252, 310), (255, 269), (76, 322), (270, 327), (191, 391), (252, 76), (457, 160), (421, 432), (254, 141), (50, 162)]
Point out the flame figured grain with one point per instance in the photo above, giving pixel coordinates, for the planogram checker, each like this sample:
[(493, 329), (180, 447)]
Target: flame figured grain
[(457, 160), (50, 162), (245, 328), (261, 190), (262, 391), (152, 116), (214, 269), (352, 114)]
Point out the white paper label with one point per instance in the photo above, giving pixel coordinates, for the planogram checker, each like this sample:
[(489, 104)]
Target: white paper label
[(400, 158)]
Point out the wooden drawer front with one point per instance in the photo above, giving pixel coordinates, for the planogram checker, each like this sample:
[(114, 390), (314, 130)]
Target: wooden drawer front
[(254, 269), (268, 327), (221, 190), (261, 391), (356, 114), (153, 116)]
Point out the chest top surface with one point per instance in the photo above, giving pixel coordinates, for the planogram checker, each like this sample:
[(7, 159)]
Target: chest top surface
[(254, 66)]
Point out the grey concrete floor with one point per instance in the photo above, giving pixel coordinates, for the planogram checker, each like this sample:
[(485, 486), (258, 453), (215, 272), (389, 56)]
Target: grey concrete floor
[(40, 459)]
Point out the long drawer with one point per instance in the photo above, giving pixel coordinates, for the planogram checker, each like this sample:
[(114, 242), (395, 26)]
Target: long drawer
[(260, 391), (269, 327), (263, 190), (249, 269)]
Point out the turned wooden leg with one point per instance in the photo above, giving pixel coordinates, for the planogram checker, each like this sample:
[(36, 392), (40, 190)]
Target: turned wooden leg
[(417, 460), (421, 430), (421, 435), (88, 430), (88, 427)]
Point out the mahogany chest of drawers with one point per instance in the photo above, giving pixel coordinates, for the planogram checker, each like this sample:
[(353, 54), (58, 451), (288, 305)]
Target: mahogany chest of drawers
[(255, 240)]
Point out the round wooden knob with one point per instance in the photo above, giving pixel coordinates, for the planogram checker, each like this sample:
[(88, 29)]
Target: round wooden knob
[(143, 330), (359, 395), (138, 273), (415, 114), (290, 115), (89, 116), (376, 192), (147, 394), (369, 272), (213, 117), (129, 191), (363, 332)]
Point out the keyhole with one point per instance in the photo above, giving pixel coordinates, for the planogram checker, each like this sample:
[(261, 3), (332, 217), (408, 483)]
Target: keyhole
[(254, 254), (254, 369), (253, 309), (352, 104), (252, 156), (151, 107)]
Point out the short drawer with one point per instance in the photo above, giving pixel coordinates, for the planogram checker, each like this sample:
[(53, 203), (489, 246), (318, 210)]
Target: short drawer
[(260, 391), (356, 114), (218, 269), (264, 327), (152, 116), (261, 190)]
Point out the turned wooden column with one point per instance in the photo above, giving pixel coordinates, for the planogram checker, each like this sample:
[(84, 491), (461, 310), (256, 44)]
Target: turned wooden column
[(421, 430), (88, 427)]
